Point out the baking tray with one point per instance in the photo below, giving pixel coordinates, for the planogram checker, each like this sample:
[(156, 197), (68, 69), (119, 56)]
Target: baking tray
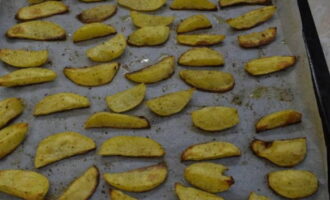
[(253, 97)]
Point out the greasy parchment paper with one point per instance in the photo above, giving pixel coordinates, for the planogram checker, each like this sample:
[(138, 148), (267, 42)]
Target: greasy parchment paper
[(253, 97)]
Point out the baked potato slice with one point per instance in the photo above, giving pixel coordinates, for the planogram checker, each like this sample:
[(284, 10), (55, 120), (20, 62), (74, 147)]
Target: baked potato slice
[(10, 108), (149, 36), (93, 75), (83, 187), (159, 71), (39, 1), (193, 23), (115, 120), (252, 18), (293, 184), (23, 58), (37, 30), (97, 13), (171, 103), (193, 5), (140, 19), (131, 146), (257, 39), (208, 80), (190, 193), (142, 5), (208, 177), (60, 146), (119, 195), (24, 184), (199, 57), (138, 180), (254, 196), (226, 3), (200, 39), (90, 1), (92, 30), (128, 99)]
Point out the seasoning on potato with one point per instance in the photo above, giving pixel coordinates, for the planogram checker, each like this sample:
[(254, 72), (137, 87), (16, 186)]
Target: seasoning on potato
[(60, 146), (193, 5), (199, 57), (97, 13), (142, 5), (23, 58), (10, 108), (226, 3), (119, 195), (140, 19), (190, 193), (138, 180), (149, 36), (200, 39), (92, 30), (193, 23), (257, 39), (254, 196)]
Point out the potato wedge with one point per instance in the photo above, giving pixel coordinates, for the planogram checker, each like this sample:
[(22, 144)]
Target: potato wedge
[(39, 1), (119, 195), (28, 76), (203, 56), (140, 19), (83, 187), (138, 180), (215, 118), (208, 80), (210, 150), (190, 193), (24, 184), (284, 153), (149, 36), (93, 30), (42, 10), (267, 65), (257, 39), (200, 39), (254, 196), (11, 137), (293, 184), (131, 146), (89, 1), (193, 5), (226, 3), (23, 58), (142, 5), (252, 18), (159, 71), (10, 108), (97, 13), (93, 75), (60, 146), (208, 176), (108, 50), (37, 30), (128, 99), (114, 120), (193, 23), (171, 103)]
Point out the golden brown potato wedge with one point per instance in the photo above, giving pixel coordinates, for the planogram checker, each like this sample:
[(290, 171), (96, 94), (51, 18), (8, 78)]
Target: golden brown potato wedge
[(203, 56), (138, 180), (208, 80), (257, 39), (93, 75), (267, 65), (200, 39), (83, 187), (24, 184), (114, 120), (193, 23), (149, 36), (254, 196), (193, 5), (293, 184), (252, 18), (159, 71), (119, 195), (28, 76), (127, 100), (10, 108), (131, 146), (23, 58), (190, 193), (171, 103), (97, 13), (39, 1), (142, 5), (93, 30), (89, 1), (60, 146), (37, 30), (142, 20), (208, 177), (226, 3)]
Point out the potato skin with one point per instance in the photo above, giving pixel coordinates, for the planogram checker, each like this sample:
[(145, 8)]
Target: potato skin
[(23, 58), (257, 39), (193, 5), (227, 3), (199, 39), (149, 36), (142, 5), (92, 31), (194, 22), (10, 108), (202, 56), (141, 19), (97, 13)]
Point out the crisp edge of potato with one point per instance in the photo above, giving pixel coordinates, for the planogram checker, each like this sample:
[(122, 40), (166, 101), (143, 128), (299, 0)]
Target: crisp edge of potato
[(79, 16), (261, 42), (266, 2)]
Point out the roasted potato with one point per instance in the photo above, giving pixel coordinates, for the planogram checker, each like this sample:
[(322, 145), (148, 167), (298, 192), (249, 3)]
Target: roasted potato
[(254, 196), (252, 18), (208, 176), (93, 30), (127, 100), (200, 39), (108, 50), (138, 180), (37, 30), (89, 1), (114, 120), (83, 187), (60, 146), (149, 36), (267, 65), (208, 80), (203, 56), (190, 193), (23, 58), (257, 39), (119, 195), (131, 146), (192, 23), (28, 76), (142, 5), (97, 13), (293, 184), (24, 184), (226, 3), (159, 71), (193, 5), (39, 1), (92, 76), (171, 103), (142, 20), (10, 108), (284, 153)]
